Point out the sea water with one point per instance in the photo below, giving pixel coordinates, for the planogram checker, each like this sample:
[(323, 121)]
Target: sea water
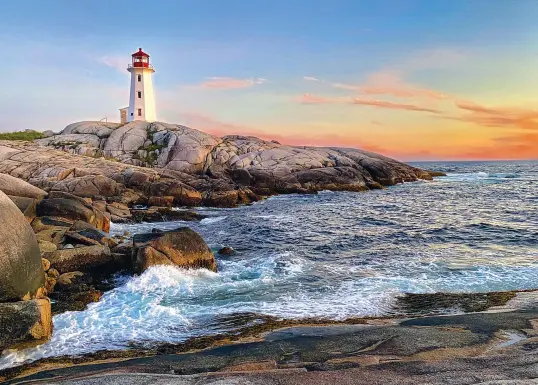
[(330, 255)]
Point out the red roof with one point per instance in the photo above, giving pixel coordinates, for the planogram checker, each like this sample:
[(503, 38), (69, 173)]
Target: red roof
[(140, 53)]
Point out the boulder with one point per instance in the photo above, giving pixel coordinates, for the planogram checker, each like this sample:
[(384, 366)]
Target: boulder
[(88, 186), (46, 247), (10, 185), (55, 236), (226, 250), (50, 223), (26, 205), (25, 323), (165, 201), (81, 258), (182, 247), (73, 210), (164, 214), (21, 270)]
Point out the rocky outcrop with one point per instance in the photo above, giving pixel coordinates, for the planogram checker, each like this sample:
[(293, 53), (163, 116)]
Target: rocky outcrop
[(182, 247), (73, 210), (25, 323), (165, 164), (80, 258), (21, 270)]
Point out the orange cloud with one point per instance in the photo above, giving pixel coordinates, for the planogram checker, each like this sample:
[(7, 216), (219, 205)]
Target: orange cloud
[(225, 83), (314, 99), (397, 106), (498, 117), (522, 146)]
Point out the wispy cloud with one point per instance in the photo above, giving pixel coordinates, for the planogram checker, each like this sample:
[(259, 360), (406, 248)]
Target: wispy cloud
[(117, 62), (311, 79), (510, 117), (315, 99), (226, 83), (397, 106)]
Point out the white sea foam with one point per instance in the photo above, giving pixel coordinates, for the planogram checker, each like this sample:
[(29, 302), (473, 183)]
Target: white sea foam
[(211, 220)]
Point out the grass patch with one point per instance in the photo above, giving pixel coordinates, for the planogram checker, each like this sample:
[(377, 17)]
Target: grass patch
[(21, 135)]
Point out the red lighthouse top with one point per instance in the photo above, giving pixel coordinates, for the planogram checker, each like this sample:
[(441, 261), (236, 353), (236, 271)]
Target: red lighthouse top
[(140, 59)]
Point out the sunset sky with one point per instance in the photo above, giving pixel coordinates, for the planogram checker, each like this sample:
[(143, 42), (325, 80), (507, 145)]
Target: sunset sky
[(415, 80)]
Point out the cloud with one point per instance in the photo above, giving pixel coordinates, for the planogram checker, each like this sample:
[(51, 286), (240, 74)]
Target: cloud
[(314, 99), (311, 79), (510, 117), (397, 106), (226, 83), (519, 146), (117, 62)]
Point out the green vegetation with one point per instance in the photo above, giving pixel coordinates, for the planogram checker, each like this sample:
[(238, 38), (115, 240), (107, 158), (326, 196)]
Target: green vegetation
[(21, 135)]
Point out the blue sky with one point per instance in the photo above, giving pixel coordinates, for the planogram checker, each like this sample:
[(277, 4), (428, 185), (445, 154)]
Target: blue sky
[(67, 62)]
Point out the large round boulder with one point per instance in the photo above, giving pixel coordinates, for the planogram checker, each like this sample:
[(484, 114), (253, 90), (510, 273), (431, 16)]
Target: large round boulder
[(21, 269), (182, 247)]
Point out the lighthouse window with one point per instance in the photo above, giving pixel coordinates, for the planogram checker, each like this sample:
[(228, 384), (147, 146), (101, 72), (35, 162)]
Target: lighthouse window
[(139, 112), (139, 94), (139, 78)]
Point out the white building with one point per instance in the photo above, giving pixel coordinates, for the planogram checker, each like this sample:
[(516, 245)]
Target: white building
[(141, 100)]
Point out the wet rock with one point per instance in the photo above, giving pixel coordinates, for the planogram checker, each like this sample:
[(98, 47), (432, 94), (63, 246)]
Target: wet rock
[(435, 173), (70, 280), (80, 259), (166, 201), (222, 198), (182, 247), (119, 212), (164, 214), (25, 323), (226, 250), (65, 195), (10, 185), (21, 270)]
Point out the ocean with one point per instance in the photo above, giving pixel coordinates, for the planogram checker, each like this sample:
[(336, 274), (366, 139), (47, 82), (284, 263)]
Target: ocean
[(333, 255)]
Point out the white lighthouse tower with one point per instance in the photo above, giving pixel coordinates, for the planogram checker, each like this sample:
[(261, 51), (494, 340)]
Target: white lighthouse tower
[(141, 100)]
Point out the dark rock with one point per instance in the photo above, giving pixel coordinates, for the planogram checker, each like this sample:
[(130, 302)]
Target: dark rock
[(164, 214), (26, 205), (73, 210), (74, 301), (435, 173), (50, 223), (25, 323), (80, 259), (166, 201), (241, 177), (182, 247), (21, 269), (65, 195), (77, 238), (226, 250)]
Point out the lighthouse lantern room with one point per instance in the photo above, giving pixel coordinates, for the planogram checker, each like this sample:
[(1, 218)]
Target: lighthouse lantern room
[(141, 100)]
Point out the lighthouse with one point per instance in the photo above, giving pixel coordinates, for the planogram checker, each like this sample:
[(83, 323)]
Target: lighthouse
[(141, 100)]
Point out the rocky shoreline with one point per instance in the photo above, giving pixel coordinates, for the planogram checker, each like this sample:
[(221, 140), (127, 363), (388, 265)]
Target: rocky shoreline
[(60, 194)]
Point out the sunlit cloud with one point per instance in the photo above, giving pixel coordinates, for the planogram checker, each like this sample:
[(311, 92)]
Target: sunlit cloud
[(509, 117), (314, 99)]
